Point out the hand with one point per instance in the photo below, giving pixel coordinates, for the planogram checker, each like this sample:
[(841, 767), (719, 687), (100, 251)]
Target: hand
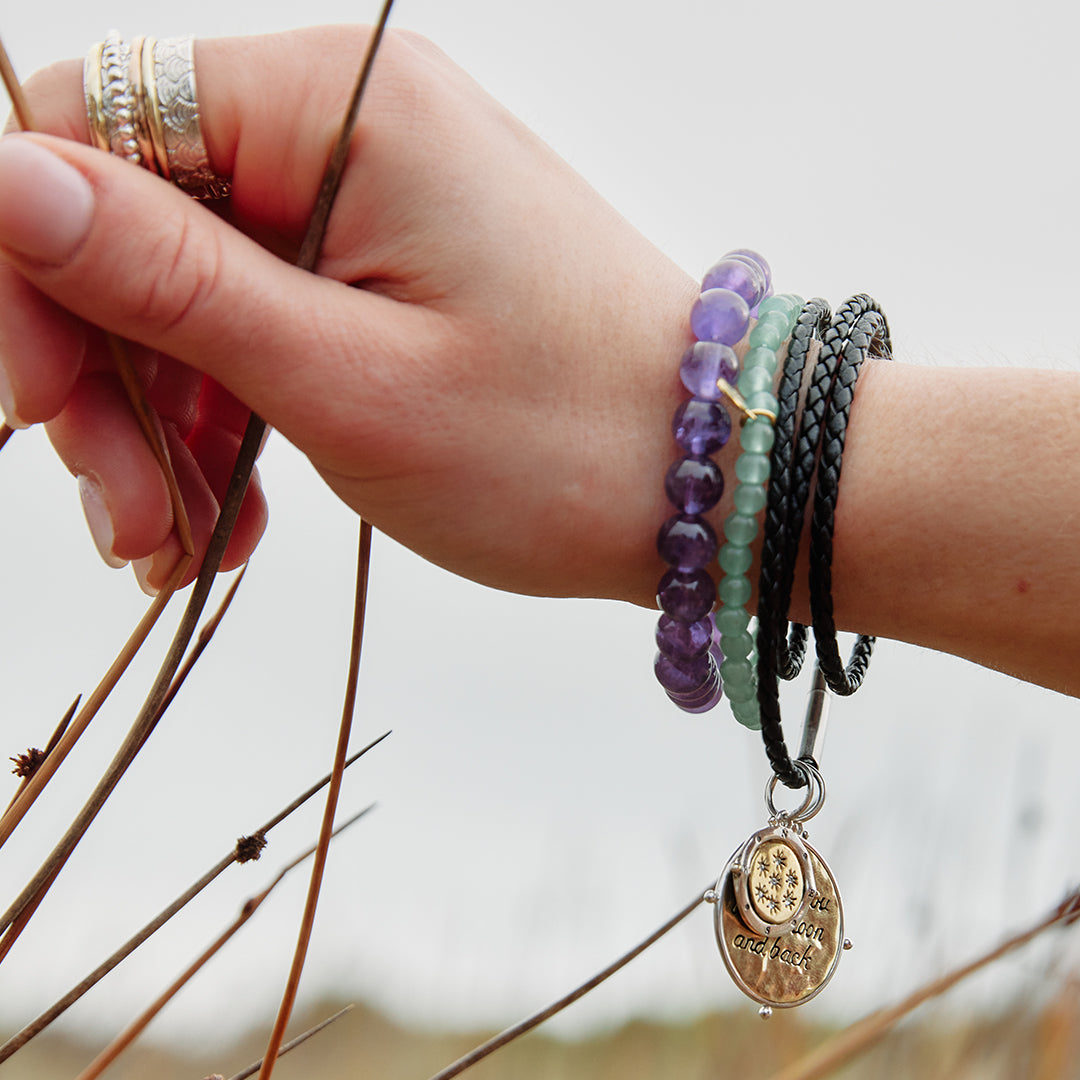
[(485, 369)]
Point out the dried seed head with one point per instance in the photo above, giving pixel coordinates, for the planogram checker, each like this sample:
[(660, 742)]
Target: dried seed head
[(27, 764), (249, 848)]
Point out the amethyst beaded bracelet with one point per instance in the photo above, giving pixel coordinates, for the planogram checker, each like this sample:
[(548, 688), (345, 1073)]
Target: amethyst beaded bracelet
[(688, 662)]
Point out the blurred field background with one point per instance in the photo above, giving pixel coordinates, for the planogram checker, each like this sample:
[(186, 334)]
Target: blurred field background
[(541, 807), (1018, 1044)]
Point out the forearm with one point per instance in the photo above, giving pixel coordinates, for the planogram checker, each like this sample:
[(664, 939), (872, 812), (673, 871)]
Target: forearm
[(957, 522)]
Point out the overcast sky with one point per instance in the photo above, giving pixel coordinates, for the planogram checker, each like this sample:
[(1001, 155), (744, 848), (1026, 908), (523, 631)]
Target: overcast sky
[(541, 806)]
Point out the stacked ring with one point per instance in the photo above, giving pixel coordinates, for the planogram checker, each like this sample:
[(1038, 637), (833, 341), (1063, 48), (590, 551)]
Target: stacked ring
[(141, 105)]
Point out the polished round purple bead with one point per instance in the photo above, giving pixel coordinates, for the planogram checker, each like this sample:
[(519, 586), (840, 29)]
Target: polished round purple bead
[(686, 595), (694, 484), (720, 315), (687, 541), (683, 641), (683, 676), (740, 276), (701, 427), (755, 259), (703, 698), (705, 362)]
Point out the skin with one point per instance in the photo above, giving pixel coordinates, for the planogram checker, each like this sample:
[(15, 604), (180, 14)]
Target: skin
[(486, 366)]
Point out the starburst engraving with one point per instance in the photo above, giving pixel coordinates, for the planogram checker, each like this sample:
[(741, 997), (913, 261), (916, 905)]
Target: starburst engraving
[(776, 887)]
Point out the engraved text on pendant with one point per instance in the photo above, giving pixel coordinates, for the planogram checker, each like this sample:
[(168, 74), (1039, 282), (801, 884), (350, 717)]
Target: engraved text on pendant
[(791, 963)]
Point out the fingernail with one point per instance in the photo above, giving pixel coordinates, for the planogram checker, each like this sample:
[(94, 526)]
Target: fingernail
[(97, 517), (45, 204), (7, 401), (143, 568)]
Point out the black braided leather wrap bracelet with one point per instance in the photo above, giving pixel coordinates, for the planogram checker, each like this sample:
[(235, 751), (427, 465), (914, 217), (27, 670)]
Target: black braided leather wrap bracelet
[(858, 330)]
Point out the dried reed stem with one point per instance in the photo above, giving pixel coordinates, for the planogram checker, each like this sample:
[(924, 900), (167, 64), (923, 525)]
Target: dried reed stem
[(136, 1028), (335, 166), (526, 1025), (18, 100), (49, 747), (36, 784), (153, 435), (863, 1034), (288, 998), (58, 1008), (292, 1044)]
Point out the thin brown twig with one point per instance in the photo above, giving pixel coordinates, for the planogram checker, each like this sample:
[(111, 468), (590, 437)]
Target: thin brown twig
[(308, 259), (58, 1008), (292, 1044), (292, 985), (49, 748), (530, 1022), (33, 788), (335, 166), (137, 1026), (154, 437), (18, 100), (864, 1033)]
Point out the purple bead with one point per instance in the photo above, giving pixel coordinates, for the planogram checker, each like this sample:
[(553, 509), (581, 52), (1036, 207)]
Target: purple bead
[(720, 315), (687, 541), (683, 676), (705, 362), (683, 641), (686, 595), (701, 427), (740, 276), (702, 700), (756, 260), (694, 484)]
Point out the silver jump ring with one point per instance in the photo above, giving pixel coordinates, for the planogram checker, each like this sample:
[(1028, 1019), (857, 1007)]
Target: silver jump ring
[(815, 795)]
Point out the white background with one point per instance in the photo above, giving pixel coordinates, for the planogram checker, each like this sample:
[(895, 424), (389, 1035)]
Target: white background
[(541, 806)]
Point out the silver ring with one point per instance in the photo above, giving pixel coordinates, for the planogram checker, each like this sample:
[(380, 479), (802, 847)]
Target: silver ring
[(141, 106), (110, 99), (186, 162)]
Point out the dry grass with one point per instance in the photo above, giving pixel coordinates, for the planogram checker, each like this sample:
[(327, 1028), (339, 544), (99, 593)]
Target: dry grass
[(1016, 1045)]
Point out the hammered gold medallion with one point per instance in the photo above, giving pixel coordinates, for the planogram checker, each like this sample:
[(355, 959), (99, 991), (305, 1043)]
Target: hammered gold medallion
[(779, 962)]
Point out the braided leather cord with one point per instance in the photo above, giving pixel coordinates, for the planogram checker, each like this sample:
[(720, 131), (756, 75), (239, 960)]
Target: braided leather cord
[(780, 543), (867, 335)]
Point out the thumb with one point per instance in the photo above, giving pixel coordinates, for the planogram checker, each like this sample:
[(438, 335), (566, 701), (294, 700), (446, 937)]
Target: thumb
[(130, 253)]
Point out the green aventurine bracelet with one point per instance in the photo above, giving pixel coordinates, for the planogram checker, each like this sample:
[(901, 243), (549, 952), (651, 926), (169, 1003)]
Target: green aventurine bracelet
[(754, 398)]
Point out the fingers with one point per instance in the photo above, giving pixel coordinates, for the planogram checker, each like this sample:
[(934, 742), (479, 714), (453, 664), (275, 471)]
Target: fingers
[(124, 495)]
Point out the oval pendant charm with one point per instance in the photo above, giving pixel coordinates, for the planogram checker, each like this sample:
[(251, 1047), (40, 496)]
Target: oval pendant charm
[(778, 918)]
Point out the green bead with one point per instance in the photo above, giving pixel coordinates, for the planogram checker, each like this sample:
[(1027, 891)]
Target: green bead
[(753, 380), (737, 671), (749, 499), (735, 558), (740, 528), (752, 468), (732, 618), (767, 335), (746, 712), (760, 358), (757, 435), (782, 302), (738, 646), (734, 590), (763, 400)]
